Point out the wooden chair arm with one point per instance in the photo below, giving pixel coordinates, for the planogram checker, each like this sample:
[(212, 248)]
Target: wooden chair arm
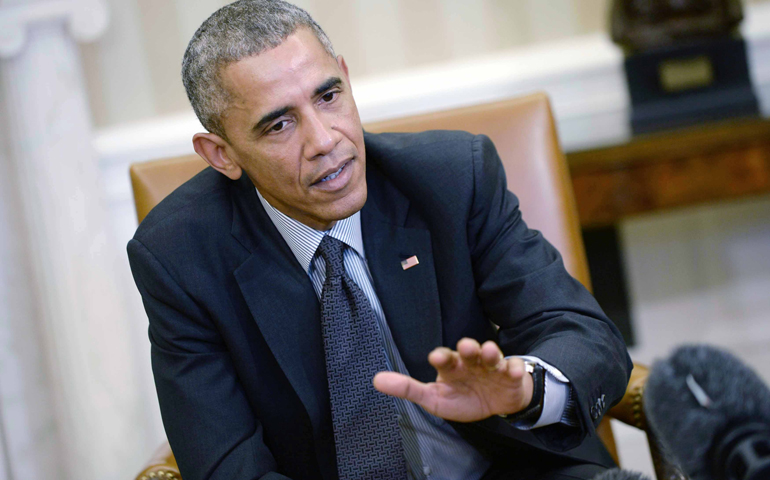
[(630, 410), (162, 466)]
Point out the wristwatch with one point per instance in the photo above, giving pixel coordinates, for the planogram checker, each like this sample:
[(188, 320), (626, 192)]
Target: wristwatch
[(531, 413)]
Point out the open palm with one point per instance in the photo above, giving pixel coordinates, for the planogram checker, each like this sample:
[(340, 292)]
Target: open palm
[(473, 383)]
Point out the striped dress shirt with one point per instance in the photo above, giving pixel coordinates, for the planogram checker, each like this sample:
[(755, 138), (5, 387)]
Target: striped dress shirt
[(433, 449)]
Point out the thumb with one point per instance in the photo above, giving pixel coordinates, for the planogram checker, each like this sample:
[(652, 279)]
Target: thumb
[(401, 386)]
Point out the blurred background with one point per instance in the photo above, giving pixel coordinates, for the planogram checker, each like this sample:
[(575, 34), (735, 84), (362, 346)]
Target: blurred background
[(88, 87)]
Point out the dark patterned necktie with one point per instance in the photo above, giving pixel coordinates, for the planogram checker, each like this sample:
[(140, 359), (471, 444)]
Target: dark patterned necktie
[(366, 431)]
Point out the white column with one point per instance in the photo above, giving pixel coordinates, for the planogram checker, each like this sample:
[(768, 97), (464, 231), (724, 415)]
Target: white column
[(100, 425), (28, 447)]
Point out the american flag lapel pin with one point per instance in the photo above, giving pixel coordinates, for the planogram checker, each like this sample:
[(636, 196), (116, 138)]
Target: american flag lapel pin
[(409, 262)]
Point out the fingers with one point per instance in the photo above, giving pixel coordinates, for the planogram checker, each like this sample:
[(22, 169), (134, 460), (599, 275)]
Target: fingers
[(491, 357), (470, 351), (401, 386), (516, 368), (470, 355), (476, 361), (443, 358), (487, 356)]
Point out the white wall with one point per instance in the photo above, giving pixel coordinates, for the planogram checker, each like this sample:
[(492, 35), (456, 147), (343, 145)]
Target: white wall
[(133, 70)]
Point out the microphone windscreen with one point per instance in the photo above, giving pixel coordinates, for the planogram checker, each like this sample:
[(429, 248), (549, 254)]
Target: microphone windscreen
[(685, 427), (618, 474)]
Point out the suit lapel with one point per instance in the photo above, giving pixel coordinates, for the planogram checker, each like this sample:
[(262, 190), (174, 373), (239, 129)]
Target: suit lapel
[(408, 297), (282, 301)]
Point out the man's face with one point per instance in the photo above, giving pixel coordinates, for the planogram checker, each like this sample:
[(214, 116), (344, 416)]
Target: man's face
[(293, 127)]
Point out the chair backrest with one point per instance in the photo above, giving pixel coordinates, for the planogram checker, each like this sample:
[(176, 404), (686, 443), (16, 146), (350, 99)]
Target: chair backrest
[(523, 131), (152, 181)]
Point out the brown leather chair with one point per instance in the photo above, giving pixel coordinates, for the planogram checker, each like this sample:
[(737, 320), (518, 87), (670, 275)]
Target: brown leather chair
[(524, 133)]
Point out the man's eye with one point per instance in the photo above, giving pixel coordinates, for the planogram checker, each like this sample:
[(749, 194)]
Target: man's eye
[(278, 126), (329, 96)]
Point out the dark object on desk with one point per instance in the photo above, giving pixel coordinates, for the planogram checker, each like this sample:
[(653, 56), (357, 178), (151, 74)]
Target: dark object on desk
[(696, 83), (685, 63), (641, 25)]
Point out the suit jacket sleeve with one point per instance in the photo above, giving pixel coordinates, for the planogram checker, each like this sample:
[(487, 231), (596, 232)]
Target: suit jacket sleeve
[(210, 424), (540, 309)]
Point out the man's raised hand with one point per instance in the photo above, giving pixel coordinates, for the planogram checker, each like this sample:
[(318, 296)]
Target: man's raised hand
[(473, 383)]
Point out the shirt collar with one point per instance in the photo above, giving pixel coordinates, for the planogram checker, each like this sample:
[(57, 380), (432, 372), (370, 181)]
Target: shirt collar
[(304, 241)]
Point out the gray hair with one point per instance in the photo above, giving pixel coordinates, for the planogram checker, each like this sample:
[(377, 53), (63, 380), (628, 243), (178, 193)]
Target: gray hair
[(242, 29)]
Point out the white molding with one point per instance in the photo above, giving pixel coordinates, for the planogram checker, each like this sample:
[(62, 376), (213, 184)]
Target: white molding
[(160, 137), (86, 21)]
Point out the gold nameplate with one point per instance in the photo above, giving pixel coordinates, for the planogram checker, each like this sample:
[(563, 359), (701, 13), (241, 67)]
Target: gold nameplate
[(686, 73)]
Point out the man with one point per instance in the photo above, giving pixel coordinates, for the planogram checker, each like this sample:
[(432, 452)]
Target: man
[(313, 263)]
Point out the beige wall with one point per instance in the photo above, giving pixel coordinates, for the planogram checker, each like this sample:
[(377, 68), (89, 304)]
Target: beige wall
[(133, 70)]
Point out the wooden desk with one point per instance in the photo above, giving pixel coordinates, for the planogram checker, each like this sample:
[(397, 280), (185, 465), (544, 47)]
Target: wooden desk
[(677, 168)]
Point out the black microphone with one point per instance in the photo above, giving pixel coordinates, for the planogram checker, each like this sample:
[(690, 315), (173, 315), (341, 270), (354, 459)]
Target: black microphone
[(712, 413), (618, 474)]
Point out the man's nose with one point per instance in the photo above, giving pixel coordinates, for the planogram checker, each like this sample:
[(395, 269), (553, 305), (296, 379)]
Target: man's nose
[(321, 137)]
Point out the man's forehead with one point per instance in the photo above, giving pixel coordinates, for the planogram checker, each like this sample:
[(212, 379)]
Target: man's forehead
[(300, 60)]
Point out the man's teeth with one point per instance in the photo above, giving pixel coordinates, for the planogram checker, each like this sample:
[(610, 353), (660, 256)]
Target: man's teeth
[(332, 176)]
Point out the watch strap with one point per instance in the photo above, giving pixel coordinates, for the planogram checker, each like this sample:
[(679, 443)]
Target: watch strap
[(530, 414)]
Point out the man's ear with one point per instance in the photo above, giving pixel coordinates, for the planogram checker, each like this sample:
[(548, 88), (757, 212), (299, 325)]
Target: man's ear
[(212, 148), (344, 67)]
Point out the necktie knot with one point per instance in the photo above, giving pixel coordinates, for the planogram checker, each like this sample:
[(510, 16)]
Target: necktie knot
[(331, 251)]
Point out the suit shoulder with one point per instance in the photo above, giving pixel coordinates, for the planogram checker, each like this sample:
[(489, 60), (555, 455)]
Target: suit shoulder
[(446, 156), (437, 170), (432, 145)]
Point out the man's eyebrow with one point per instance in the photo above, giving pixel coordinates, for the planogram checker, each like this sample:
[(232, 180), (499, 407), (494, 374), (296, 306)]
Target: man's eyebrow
[(330, 83), (277, 113)]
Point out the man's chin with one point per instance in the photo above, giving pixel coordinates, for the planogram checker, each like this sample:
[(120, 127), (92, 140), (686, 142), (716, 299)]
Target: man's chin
[(349, 205)]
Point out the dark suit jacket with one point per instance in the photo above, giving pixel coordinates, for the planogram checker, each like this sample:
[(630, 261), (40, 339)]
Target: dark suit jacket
[(234, 322)]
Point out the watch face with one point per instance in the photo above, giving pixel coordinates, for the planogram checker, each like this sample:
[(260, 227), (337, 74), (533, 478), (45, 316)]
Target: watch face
[(529, 367)]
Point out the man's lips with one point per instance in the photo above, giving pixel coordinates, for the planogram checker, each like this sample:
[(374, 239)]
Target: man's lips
[(331, 173)]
